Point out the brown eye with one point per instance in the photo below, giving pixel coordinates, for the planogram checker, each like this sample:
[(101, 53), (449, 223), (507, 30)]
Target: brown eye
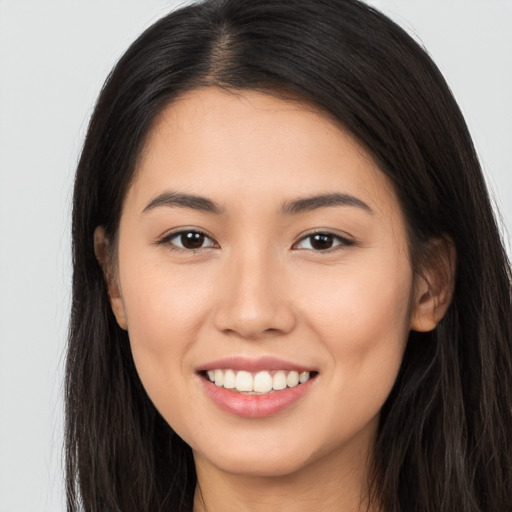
[(323, 242), (188, 241), (192, 240)]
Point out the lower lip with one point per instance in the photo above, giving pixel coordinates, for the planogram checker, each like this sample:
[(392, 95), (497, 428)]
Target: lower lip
[(255, 406)]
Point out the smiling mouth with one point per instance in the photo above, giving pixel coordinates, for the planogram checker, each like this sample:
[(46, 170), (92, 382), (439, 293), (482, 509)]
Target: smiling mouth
[(257, 383)]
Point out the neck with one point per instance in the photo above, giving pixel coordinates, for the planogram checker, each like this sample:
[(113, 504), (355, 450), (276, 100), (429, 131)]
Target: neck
[(336, 483)]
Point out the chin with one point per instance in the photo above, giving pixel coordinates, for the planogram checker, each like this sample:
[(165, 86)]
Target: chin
[(259, 461), (262, 467)]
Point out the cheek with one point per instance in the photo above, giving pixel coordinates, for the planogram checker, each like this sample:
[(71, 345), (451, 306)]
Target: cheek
[(363, 318), (164, 305), (165, 310), (363, 303)]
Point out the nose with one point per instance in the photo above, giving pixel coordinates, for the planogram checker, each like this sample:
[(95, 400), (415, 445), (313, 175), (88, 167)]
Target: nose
[(254, 300)]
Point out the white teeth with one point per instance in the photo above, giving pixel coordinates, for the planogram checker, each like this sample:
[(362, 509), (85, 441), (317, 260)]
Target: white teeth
[(279, 380), (219, 377), (261, 382), (303, 377), (229, 379), (292, 380), (243, 381)]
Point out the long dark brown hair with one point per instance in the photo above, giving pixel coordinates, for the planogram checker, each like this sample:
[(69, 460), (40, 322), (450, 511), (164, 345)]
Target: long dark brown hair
[(444, 441)]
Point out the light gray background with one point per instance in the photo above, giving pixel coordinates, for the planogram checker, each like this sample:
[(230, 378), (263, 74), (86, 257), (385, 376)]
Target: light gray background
[(54, 56)]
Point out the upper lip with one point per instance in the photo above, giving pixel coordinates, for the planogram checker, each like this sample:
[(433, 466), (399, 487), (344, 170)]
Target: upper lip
[(254, 364)]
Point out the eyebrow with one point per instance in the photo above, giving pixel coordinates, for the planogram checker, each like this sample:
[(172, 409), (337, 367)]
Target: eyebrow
[(323, 201), (184, 201), (293, 207)]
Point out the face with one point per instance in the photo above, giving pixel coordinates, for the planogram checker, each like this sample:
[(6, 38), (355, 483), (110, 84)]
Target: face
[(264, 280)]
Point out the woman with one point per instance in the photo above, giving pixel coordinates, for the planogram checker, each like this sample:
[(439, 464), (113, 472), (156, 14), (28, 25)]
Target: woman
[(289, 289)]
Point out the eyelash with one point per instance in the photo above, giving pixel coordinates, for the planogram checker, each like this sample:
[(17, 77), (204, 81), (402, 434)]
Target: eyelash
[(167, 240), (344, 242)]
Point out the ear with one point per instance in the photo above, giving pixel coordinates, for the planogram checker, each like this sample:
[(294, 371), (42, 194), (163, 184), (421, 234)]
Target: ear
[(434, 285), (103, 254)]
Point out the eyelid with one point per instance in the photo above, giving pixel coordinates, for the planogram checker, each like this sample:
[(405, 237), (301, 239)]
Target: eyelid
[(345, 239), (166, 239)]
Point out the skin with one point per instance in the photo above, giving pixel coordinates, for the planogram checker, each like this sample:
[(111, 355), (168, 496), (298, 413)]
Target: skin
[(257, 287)]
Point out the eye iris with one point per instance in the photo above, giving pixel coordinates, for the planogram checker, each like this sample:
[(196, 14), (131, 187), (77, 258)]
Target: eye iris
[(192, 240), (321, 241)]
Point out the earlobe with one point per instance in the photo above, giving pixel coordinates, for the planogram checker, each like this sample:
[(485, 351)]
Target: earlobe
[(103, 255), (434, 286)]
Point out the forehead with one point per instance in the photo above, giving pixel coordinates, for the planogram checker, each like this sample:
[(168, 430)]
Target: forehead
[(254, 145)]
